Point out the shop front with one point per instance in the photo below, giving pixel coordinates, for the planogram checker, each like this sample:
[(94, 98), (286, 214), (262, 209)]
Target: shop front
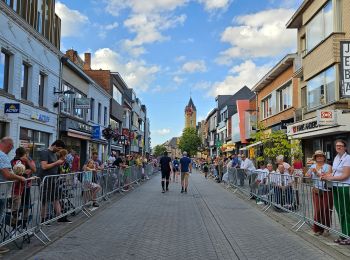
[(320, 132), (76, 135), (98, 143)]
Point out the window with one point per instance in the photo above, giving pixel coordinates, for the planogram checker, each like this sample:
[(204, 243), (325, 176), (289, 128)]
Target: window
[(41, 89), (284, 97), (99, 113), (79, 112), (39, 22), (24, 81), (92, 109), (321, 89), (320, 27), (266, 107), (117, 95), (105, 116), (67, 105), (46, 19), (4, 70)]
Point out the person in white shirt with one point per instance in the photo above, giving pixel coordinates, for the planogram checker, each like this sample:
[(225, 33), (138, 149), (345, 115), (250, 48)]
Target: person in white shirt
[(287, 167), (340, 179), (261, 182), (247, 166)]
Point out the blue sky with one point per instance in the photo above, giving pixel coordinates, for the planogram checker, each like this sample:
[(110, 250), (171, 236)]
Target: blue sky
[(167, 49)]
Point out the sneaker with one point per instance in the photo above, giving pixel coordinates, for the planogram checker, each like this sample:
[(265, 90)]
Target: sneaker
[(182, 191), (95, 204), (167, 189), (260, 203), (326, 233), (4, 250), (163, 191), (64, 220), (185, 190)]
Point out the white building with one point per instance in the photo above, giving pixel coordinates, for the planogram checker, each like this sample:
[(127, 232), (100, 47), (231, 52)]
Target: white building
[(29, 73)]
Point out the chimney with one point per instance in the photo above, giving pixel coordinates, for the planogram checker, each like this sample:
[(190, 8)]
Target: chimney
[(87, 61)]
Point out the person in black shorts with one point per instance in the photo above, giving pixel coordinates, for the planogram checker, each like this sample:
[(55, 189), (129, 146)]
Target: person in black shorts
[(166, 169)]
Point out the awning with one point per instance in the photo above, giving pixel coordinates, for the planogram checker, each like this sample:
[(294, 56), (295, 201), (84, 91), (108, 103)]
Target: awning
[(79, 135), (250, 146)]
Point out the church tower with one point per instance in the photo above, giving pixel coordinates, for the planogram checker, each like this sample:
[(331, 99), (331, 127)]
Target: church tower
[(190, 115)]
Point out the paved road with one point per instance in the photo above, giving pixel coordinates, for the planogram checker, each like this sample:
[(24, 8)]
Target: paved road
[(207, 223)]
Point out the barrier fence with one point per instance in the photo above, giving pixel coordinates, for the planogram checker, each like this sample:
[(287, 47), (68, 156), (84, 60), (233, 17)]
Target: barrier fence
[(26, 207), (322, 204)]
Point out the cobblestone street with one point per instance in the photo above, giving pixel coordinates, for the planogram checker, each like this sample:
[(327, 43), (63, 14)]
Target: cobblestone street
[(206, 223)]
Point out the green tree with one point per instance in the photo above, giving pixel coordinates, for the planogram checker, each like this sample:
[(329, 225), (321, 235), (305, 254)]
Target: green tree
[(274, 143), (189, 141), (159, 150)]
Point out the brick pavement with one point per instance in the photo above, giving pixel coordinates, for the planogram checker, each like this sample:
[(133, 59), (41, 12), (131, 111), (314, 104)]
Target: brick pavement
[(207, 223)]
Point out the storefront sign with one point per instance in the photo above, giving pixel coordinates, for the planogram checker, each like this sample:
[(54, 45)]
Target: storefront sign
[(96, 132), (68, 124), (326, 117), (82, 103), (345, 68), (12, 108), (303, 127), (40, 117)]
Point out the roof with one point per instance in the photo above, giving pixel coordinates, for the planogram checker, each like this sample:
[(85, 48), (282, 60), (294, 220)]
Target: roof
[(297, 20), (280, 67), (191, 104)]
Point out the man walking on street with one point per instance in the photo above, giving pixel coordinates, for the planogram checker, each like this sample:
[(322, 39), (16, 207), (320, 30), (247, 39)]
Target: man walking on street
[(166, 169), (185, 169)]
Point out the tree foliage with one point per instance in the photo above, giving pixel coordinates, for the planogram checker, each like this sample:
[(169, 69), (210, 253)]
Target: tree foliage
[(159, 150), (190, 141), (276, 143)]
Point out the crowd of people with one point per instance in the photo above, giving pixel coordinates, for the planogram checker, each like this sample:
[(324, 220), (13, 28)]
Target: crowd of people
[(281, 183), (54, 161)]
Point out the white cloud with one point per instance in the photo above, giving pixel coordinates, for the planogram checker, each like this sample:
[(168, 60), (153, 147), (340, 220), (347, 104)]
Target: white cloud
[(111, 26), (162, 89), (194, 66), (136, 73), (163, 131), (256, 35), (178, 80), (180, 58), (213, 5), (103, 29), (245, 74), (72, 21), (203, 85)]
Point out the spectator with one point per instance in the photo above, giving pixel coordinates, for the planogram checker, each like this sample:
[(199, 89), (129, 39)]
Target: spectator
[(322, 197), (50, 167), (76, 162), (6, 174), (261, 182), (93, 186), (21, 191), (286, 166), (234, 163), (340, 179), (247, 164), (70, 158), (176, 169)]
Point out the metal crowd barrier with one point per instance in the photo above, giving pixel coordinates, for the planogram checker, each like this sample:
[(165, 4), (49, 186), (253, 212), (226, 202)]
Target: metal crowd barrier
[(25, 208), (320, 204)]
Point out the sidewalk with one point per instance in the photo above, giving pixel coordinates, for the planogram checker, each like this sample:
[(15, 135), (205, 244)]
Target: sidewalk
[(207, 223)]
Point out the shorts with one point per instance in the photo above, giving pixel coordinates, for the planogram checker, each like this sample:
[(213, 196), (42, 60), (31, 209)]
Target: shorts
[(51, 190), (165, 175), (176, 169), (184, 175)]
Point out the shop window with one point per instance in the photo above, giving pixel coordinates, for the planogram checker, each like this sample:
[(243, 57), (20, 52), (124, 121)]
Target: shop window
[(4, 70), (39, 22), (34, 141), (320, 27), (321, 89)]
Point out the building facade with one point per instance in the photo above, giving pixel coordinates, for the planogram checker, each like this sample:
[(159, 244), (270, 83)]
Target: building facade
[(321, 26), (29, 76)]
